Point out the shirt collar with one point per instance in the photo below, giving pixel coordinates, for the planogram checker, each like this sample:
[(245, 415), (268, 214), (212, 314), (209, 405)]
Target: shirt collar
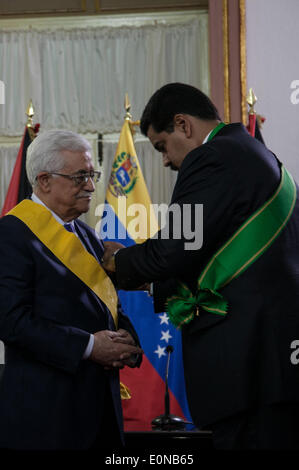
[(206, 138), (36, 199)]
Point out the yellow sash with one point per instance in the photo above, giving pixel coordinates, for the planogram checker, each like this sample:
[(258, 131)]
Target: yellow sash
[(69, 250)]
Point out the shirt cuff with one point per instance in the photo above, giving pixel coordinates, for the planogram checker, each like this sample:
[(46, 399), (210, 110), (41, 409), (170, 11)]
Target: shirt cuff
[(151, 289), (89, 347)]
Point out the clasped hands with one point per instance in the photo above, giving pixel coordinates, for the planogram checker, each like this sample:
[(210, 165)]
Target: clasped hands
[(114, 349)]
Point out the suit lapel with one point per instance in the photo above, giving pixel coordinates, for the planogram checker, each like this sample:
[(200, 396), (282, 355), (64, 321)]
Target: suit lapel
[(85, 240), (83, 235)]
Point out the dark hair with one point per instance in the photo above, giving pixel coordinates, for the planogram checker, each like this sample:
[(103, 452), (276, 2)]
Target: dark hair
[(172, 99)]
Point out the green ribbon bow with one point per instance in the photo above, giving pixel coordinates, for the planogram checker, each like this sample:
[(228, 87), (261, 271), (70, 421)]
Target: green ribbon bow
[(182, 308)]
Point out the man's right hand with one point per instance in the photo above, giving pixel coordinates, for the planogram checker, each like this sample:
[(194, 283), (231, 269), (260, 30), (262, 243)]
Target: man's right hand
[(108, 261), (111, 353)]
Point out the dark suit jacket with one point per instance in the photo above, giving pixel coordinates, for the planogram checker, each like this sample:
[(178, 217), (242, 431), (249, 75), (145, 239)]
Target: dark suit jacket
[(49, 397), (235, 362)]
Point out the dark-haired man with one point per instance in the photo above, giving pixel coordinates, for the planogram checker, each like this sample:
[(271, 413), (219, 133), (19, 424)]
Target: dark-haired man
[(236, 298)]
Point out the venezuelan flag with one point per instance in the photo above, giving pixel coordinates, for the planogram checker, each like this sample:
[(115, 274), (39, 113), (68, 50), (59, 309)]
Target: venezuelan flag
[(129, 218)]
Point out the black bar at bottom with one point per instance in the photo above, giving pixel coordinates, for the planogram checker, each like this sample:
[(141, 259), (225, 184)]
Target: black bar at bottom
[(169, 439)]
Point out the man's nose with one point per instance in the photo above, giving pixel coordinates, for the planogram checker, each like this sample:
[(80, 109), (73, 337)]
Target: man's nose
[(166, 161), (89, 186)]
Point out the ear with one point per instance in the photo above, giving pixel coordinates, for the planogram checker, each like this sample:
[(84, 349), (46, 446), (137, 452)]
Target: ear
[(183, 124), (44, 182)]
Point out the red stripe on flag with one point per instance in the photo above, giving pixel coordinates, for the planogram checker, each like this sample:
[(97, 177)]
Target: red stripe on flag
[(147, 402), (11, 198)]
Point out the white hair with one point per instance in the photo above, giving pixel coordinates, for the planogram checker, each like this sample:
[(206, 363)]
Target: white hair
[(44, 153)]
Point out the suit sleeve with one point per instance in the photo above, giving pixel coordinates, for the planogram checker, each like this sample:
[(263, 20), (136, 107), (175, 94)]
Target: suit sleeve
[(161, 291), (125, 323), (207, 180), (49, 342)]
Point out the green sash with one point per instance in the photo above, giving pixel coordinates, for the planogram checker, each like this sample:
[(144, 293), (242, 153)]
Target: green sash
[(246, 245)]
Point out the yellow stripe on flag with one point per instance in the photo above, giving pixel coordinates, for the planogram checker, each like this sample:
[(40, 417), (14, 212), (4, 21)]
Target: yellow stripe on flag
[(127, 193)]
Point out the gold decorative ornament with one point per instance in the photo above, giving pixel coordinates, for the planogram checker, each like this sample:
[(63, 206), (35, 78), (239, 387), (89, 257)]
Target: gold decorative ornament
[(251, 100), (30, 114), (29, 125)]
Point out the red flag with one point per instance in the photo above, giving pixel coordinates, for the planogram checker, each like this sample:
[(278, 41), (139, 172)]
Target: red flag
[(19, 186)]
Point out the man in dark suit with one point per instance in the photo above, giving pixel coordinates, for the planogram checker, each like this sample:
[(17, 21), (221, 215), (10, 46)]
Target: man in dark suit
[(240, 377), (65, 335)]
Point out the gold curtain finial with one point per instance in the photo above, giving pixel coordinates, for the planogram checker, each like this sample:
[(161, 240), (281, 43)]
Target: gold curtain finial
[(30, 114), (251, 100)]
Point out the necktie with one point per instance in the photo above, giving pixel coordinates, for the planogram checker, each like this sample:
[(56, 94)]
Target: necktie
[(69, 228)]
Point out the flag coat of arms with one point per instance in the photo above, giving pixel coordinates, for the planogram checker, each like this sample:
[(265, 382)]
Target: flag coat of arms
[(129, 218)]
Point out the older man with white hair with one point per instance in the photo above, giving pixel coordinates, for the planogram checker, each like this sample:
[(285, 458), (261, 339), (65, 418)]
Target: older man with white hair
[(64, 332)]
